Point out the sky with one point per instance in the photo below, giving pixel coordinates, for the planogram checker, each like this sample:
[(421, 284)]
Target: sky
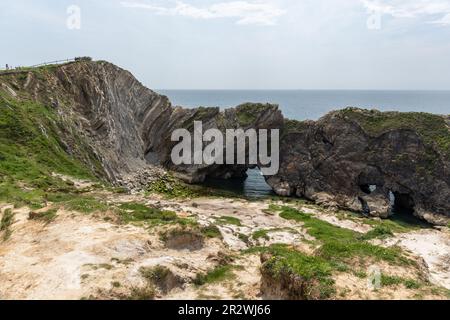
[(241, 44)]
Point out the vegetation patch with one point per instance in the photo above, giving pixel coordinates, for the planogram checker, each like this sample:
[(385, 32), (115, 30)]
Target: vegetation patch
[(141, 293), (294, 126), (211, 231), (5, 224), (225, 220), (299, 275), (86, 205), (157, 274), (30, 144), (265, 233), (432, 128), (391, 225), (244, 238), (379, 232), (173, 188), (339, 245), (261, 234), (137, 212), (32, 149), (218, 274), (388, 281), (272, 209), (46, 216), (248, 113)]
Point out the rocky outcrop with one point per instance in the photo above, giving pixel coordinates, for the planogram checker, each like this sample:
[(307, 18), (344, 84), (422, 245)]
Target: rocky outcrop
[(255, 116), (369, 161), (352, 159), (128, 125)]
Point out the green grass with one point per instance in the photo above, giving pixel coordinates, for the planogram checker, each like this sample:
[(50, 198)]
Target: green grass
[(343, 245), (385, 226), (6, 222), (396, 225), (218, 274), (388, 281), (272, 209), (294, 126), (132, 212), (47, 216), (140, 213), (261, 234), (379, 232), (244, 238), (211, 231), (10, 192), (360, 274), (172, 188), (85, 204), (225, 220), (248, 113), (287, 264), (201, 114), (264, 233), (31, 149)]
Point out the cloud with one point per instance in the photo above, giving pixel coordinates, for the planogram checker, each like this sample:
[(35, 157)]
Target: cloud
[(434, 11), (444, 21), (245, 12)]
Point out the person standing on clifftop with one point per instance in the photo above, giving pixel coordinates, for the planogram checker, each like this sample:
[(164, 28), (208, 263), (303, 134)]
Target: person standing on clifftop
[(7, 67)]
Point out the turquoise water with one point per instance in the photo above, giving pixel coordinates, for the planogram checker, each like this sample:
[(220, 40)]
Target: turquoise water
[(306, 104)]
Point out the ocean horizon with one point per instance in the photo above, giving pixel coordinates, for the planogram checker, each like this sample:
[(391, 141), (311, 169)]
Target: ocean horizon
[(313, 104)]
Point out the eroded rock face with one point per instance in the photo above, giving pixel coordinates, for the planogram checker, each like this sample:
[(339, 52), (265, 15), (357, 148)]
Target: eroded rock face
[(369, 161), (131, 126), (254, 116), (351, 159)]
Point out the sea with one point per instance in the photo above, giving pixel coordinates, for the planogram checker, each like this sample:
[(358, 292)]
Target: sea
[(306, 105)]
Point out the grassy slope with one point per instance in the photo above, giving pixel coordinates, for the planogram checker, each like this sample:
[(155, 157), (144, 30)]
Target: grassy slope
[(31, 150)]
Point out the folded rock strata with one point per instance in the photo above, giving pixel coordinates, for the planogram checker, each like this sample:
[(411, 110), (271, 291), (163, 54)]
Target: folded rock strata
[(352, 159)]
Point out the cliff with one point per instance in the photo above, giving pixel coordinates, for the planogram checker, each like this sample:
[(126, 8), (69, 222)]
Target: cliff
[(370, 161), (105, 120)]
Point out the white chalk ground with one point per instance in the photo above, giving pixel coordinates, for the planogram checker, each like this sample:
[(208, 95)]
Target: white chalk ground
[(80, 256), (431, 245)]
